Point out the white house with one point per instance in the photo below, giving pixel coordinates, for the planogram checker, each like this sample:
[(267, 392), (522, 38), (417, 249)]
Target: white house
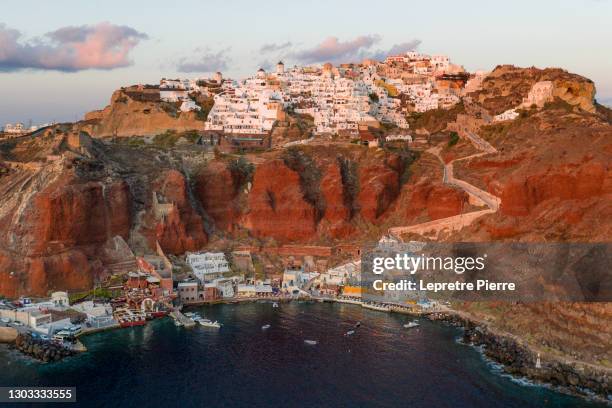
[(60, 299), (207, 266)]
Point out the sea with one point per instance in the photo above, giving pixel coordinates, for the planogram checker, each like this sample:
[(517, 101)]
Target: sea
[(382, 364)]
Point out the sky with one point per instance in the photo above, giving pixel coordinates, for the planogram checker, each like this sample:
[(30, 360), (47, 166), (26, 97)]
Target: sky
[(61, 59)]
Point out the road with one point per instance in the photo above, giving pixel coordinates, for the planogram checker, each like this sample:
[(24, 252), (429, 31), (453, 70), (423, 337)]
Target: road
[(433, 228)]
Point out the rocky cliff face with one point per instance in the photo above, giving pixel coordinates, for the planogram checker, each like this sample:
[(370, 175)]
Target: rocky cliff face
[(138, 112), (67, 212), (70, 213), (349, 186), (553, 173), (507, 86), (51, 224), (173, 222)]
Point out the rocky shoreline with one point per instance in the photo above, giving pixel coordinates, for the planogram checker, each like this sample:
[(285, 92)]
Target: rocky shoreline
[(44, 351), (519, 360)]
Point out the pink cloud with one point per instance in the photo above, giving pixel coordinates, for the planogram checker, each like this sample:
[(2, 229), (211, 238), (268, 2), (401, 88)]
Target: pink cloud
[(73, 48), (334, 50), (355, 50)]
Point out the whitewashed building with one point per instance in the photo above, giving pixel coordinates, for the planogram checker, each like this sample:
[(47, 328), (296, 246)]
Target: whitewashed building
[(208, 266)]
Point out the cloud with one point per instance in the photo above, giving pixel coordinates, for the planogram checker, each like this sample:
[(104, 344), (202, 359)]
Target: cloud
[(208, 61), (273, 47), (336, 51), (401, 48), (267, 65), (73, 48)]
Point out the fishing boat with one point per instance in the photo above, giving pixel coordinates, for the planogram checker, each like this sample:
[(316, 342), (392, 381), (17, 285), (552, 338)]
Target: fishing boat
[(265, 327), (310, 342), (209, 323), (358, 324), (128, 318), (412, 324), (350, 332), (275, 304), (159, 313)]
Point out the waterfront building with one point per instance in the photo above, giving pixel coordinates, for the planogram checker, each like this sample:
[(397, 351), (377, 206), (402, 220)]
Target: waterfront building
[(188, 292), (60, 299), (98, 314), (207, 266)]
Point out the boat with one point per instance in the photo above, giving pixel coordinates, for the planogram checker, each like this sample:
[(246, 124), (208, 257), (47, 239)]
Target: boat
[(348, 333), (209, 323), (189, 314), (310, 342), (358, 324), (129, 318), (159, 313), (177, 323), (131, 321), (275, 304), (412, 324), (265, 327)]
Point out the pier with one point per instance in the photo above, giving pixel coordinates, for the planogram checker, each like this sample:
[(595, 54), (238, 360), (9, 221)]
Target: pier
[(181, 318)]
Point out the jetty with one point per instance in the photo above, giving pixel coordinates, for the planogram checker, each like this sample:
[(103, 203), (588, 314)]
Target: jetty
[(181, 318)]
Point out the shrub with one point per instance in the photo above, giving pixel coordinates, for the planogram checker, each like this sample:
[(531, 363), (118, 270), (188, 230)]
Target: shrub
[(454, 138), (350, 185), (242, 172), (310, 178), (407, 158)]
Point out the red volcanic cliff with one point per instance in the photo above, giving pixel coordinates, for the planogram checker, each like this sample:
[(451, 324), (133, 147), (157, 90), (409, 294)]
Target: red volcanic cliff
[(171, 220), (336, 220), (276, 206), (553, 173), (379, 186), (215, 190), (49, 239), (578, 181)]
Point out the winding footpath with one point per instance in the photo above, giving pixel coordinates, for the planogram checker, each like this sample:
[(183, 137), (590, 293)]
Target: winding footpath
[(433, 228)]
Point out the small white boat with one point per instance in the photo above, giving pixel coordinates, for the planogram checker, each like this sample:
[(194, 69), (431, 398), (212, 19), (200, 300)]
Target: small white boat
[(274, 304), (189, 314), (410, 325), (265, 327), (209, 323), (348, 333), (177, 323), (310, 342)]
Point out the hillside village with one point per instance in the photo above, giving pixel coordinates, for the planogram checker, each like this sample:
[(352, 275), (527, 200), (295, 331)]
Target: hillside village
[(339, 99), (368, 102)]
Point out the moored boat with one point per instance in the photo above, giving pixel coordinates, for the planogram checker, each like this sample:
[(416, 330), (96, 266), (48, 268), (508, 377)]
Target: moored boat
[(209, 323), (411, 324)]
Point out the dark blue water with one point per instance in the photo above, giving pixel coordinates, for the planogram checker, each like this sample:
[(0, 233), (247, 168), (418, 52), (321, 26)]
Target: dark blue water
[(381, 365)]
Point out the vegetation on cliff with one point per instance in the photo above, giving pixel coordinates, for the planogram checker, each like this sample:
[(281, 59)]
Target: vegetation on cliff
[(242, 172), (310, 178), (350, 184)]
